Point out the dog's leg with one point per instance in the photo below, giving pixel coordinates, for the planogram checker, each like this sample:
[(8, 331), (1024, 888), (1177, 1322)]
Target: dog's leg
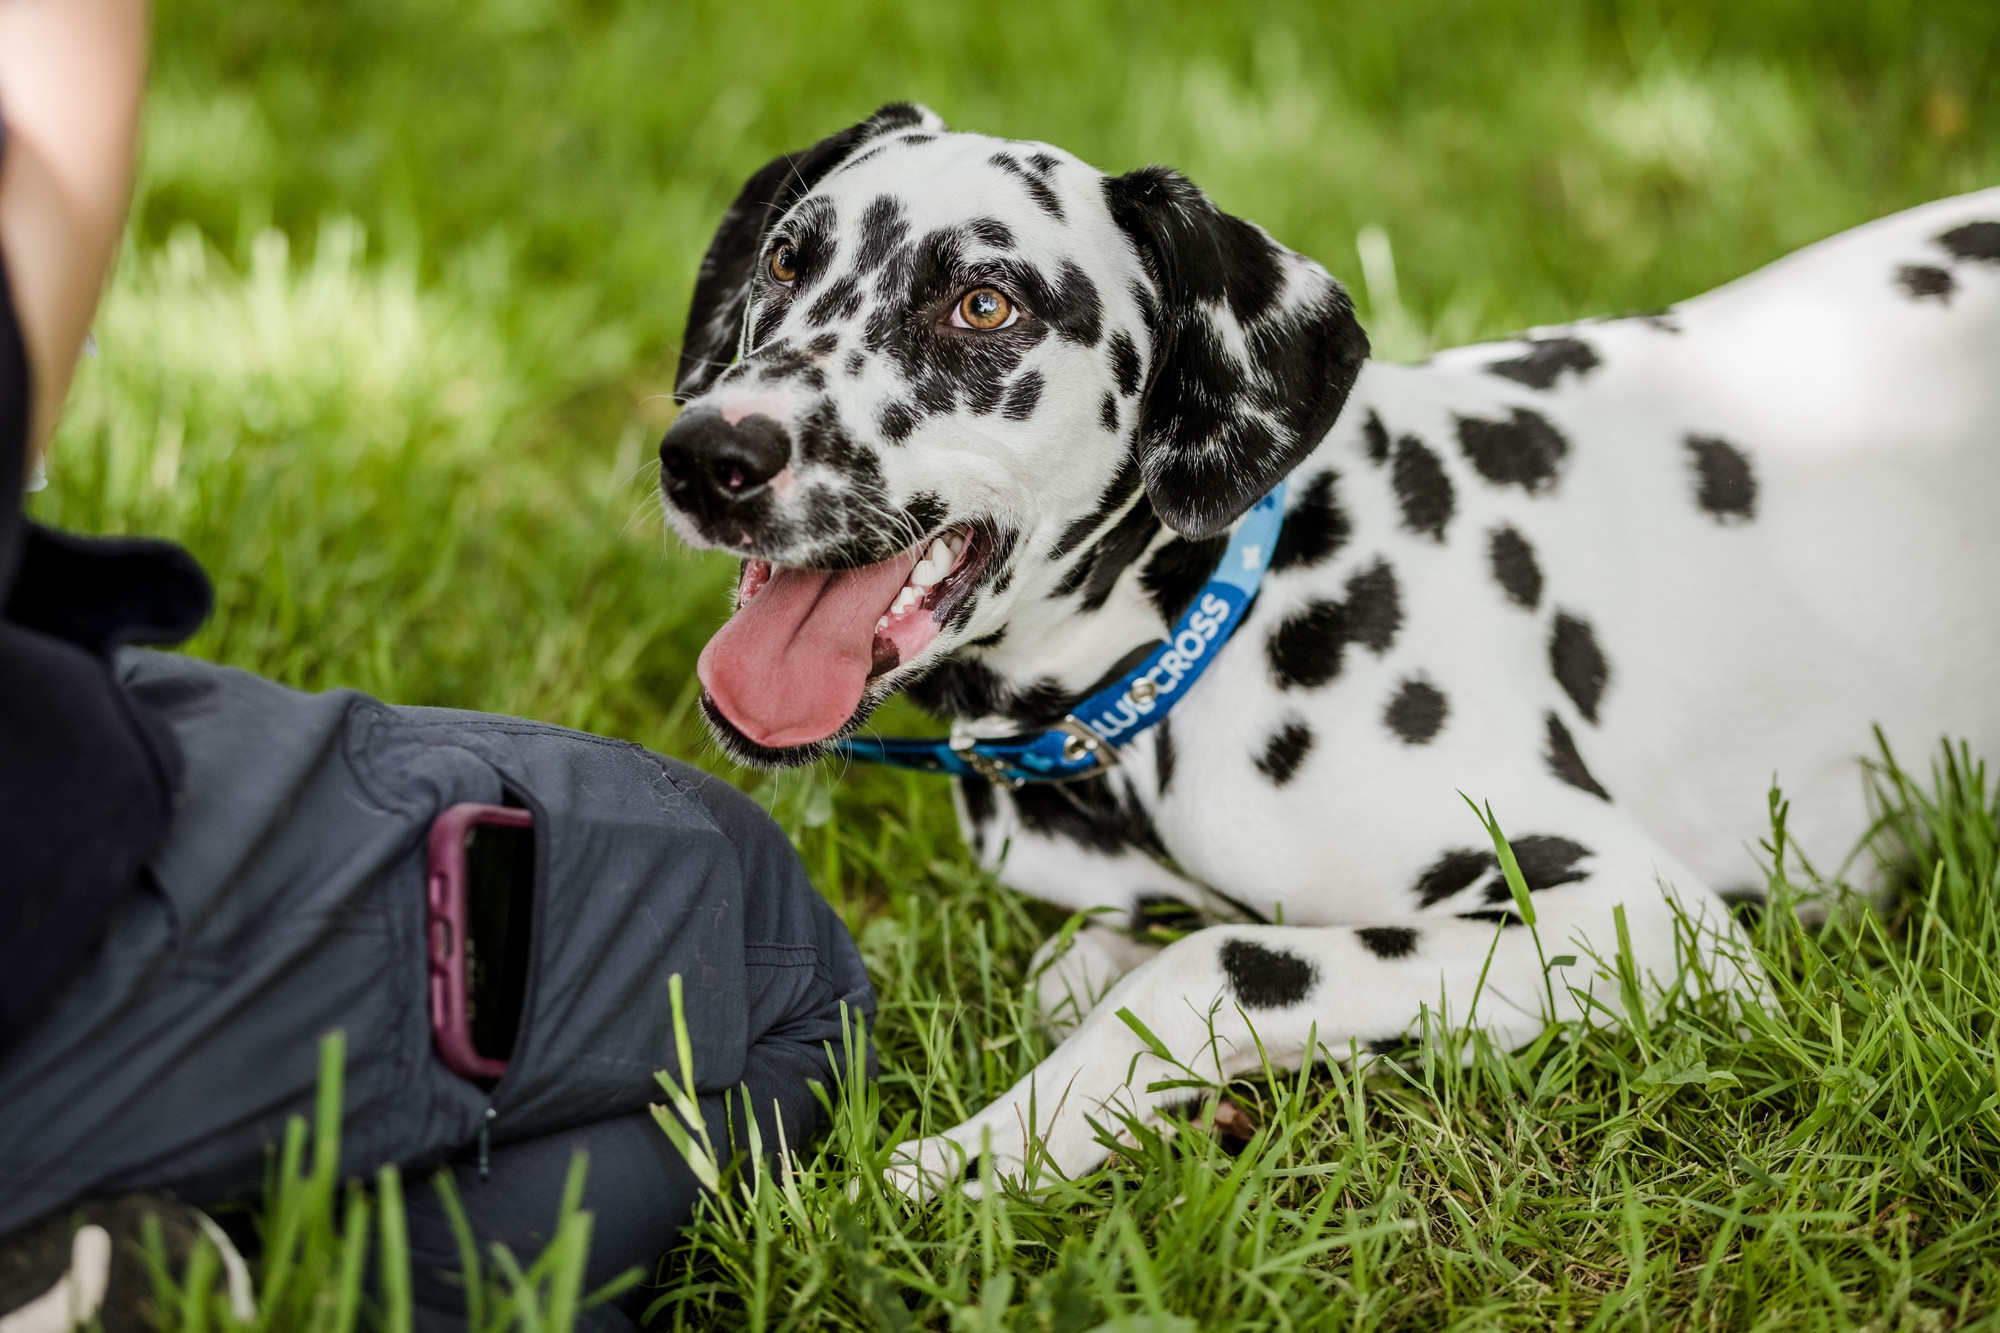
[(1205, 1005), (1134, 898), (1088, 853), (1071, 973)]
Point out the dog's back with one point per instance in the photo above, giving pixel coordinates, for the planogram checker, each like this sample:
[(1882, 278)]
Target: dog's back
[(1775, 512)]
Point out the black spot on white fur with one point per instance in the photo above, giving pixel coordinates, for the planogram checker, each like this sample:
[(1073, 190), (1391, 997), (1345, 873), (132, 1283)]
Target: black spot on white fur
[(1374, 608), (1023, 396), (1546, 862), (925, 512), (1069, 304), (979, 809), (1097, 571), (896, 421), (1388, 941), (885, 229), (1422, 488), (1038, 188), (1545, 360), (1315, 526), (1284, 752), (1515, 568), (1923, 281), (1123, 484), (1108, 414), (959, 687), (1164, 757), (1524, 450), (1725, 484), (841, 300), (1564, 761), (978, 799), (1417, 713), (1974, 240), (992, 233), (1579, 664), (1452, 874), (1125, 363), (1102, 816), (1177, 572), (1376, 436), (1266, 978), (1306, 648)]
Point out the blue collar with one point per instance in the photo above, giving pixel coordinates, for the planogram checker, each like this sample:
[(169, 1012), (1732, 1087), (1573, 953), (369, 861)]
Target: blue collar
[(1086, 743)]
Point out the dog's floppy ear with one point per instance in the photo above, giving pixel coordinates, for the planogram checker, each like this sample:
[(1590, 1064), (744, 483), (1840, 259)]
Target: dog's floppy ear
[(722, 290), (1254, 350)]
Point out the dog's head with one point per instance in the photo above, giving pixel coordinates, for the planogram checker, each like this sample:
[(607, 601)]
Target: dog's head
[(922, 369)]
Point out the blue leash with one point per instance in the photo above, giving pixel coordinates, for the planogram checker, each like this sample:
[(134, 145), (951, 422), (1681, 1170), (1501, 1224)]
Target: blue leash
[(1086, 743)]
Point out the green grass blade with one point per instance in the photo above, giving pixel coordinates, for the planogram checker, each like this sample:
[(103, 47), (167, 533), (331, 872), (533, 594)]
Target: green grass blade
[(394, 1256)]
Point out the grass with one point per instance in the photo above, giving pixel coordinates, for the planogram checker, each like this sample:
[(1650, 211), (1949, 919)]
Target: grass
[(317, 1243), (1827, 1164), (1824, 1164), (389, 349)]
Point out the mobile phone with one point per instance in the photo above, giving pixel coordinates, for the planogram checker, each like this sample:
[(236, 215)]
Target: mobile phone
[(480, 896)]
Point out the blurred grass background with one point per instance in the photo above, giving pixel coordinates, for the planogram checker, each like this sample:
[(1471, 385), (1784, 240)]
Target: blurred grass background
[(390, 348)]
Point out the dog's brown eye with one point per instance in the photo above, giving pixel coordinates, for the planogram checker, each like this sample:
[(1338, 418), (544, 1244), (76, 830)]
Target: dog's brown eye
[(785, 263), (984, 308)]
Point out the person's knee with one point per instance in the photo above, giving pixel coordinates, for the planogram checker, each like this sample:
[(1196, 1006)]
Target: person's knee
[(771, 865), (781, 907)]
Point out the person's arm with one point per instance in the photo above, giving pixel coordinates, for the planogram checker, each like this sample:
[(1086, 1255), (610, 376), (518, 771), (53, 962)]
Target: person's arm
[(71, 76)]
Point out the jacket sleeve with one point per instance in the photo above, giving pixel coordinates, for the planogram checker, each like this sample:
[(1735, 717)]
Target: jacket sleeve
[(85, 783)]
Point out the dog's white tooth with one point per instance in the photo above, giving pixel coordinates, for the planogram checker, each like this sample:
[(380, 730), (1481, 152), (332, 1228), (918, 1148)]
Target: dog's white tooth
[(881, 624), (905, 599), (925, 574), (942, 556), (956, 541)]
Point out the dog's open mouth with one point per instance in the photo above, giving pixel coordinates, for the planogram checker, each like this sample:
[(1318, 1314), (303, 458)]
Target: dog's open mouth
[(792, 665)]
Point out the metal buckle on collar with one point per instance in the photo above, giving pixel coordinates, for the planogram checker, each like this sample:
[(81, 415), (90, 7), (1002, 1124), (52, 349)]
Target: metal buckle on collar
[(984, 764), (1082, 743)]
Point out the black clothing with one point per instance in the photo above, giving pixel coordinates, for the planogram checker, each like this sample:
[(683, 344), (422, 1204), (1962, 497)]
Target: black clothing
[(288, 900), (84, 781), (202, 872)]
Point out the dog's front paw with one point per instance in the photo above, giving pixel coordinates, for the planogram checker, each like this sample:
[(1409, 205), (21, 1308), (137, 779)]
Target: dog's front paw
[(927, 1167)]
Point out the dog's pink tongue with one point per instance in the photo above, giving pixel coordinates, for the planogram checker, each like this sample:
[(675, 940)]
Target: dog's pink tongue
[(789, 667)]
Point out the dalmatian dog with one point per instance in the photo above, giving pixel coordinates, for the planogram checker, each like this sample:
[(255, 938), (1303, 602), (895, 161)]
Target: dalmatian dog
[(978, 419)]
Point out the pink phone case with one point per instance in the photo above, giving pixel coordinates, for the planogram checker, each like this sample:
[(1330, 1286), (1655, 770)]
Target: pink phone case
[(451, 1021)]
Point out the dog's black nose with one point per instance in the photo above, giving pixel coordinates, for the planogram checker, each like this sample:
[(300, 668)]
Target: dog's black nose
[(701, 451)]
